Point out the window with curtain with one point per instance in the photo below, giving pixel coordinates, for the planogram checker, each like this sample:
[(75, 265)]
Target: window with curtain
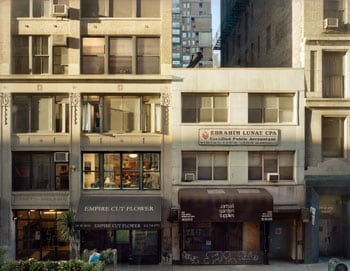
[(121, 113), (333, 74)]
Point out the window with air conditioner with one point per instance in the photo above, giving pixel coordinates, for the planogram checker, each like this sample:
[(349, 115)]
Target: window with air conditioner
[(333, 13), (204, 166), (271, 166), (39, 171)]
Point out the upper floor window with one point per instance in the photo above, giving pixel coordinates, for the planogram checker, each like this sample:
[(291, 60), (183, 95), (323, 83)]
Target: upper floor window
[(204, 108), (122, 171), (333, 136), (39, 171), (120, 8), (119, 113), (334, 9), (126, 55), (271, 166), (333, 74), (34, 8), (275, 108), (32, 55), (40, 113), (204, 166)]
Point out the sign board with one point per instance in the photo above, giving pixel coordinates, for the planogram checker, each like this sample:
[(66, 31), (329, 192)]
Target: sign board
[(243, 137)]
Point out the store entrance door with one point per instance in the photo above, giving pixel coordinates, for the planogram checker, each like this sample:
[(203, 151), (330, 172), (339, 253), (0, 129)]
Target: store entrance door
[(227, 236)]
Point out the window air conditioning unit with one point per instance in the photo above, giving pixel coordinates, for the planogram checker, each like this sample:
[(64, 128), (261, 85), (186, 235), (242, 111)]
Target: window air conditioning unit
[(61, 157), (330, 23), (59, 40), (60, 10), (189, 177), (272, 177)]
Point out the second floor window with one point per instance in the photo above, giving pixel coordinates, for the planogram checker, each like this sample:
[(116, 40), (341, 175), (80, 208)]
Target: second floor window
[(40, 113), (270, 108), (204, 166), (120, 55), (121, 171), (119, 113), (271, 166), (198, 108), (39, 171)]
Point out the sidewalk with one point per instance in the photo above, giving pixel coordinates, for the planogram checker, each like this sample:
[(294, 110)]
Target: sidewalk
[(273, 266)]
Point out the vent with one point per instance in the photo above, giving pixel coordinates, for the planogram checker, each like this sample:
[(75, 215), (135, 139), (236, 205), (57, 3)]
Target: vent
[(59, 40), (60, 10), (272, 177), (61, 157), (330, 23), (189, 177)]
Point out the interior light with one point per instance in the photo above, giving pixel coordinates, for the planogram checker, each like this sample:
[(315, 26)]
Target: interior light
[(133, 155)]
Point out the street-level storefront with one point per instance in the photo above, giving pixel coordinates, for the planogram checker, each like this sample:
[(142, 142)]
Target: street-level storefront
[(225, 225), (132, 225), (37, 236), (329, 201)]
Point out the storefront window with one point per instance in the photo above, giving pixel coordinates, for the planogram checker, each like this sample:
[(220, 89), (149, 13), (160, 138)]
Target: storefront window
[(133, 246), (37, 236), (140, 171)]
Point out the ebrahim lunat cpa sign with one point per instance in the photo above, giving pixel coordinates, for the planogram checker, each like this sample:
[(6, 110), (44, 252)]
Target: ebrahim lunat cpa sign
[(238, 137)]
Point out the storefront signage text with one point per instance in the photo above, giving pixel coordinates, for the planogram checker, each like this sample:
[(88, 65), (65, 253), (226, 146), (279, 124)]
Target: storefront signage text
[(266, 216), (118, 209), (186, 217), (238, 137), (118, 226), (227, 211)]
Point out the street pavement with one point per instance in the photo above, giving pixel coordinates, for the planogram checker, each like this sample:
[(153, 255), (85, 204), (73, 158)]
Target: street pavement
[(322, 265)]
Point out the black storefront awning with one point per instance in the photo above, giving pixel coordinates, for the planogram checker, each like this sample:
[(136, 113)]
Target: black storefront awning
[(225, 205), (100, 212)]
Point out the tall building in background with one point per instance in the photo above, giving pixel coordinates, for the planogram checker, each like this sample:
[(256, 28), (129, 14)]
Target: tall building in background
[(314, 36), (192, 34)]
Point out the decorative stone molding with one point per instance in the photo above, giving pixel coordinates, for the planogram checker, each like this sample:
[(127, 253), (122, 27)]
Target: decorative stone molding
[(5, 102), (75, 102)]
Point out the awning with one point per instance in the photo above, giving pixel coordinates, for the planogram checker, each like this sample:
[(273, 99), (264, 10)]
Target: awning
[(225, 205), (100, 212)]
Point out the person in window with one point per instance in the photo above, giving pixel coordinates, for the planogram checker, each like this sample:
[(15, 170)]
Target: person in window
[(94, 257)]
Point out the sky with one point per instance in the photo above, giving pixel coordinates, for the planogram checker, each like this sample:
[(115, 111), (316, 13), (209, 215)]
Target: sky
[(215, 10)]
